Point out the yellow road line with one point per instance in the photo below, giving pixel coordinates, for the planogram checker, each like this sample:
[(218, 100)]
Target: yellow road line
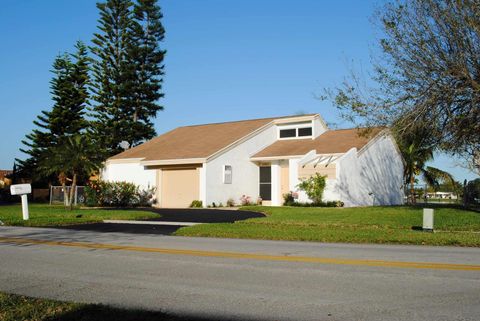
[(237, 255)]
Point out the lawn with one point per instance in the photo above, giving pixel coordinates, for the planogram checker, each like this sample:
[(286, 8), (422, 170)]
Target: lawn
[(15, 307), (45, 215), (394, 225)]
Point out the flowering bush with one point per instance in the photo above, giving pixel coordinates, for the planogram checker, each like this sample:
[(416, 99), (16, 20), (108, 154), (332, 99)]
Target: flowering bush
[(146, 196), (102, 193), (290, 198), (245, 200)]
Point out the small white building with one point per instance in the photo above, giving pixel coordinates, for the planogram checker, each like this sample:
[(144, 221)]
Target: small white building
[(444, 195), (264, 158)]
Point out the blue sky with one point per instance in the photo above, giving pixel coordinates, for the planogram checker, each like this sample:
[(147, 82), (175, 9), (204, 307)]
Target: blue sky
[(226, 60)]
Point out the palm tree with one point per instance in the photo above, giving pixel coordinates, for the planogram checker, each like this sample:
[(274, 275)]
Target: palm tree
[(68, 160), (416, 157)]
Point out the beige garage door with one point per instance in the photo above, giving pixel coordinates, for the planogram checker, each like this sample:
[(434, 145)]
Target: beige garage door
[(179, 187)]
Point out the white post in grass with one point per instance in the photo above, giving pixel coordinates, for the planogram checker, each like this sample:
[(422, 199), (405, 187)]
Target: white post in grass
[(22, 190), (25, 207), (428, 219)]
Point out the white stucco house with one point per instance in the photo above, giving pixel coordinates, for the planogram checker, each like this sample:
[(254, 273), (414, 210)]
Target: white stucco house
[(263, 158)]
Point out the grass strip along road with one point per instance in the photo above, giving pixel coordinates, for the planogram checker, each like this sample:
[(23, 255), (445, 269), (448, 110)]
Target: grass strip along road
[(57, 215), (380, 224), (19, 307)]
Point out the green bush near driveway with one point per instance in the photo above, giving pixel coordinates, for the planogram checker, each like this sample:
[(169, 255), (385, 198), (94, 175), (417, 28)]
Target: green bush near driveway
[(50, 215), (350, 225), (118, 194)]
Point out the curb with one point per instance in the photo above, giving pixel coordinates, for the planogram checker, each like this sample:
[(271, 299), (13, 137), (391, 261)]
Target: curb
[(151, 223)]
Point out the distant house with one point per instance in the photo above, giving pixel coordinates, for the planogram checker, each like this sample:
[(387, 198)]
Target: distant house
[(263, 158), (446, 195), (3, 177)]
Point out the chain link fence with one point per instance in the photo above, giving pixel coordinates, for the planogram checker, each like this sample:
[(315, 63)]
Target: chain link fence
[(57, 195)]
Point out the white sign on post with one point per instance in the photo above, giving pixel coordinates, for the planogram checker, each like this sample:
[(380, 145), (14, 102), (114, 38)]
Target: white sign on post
[(22, 190), (428, 219)]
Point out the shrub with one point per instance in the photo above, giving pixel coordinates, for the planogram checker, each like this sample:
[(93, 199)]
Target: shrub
[(102, 193), (288, 199), (124, 194), (92, 190), (321, 204), (146, 197), (314, 187), (245, 200), (6, 197), (230, 202), (196, 203)]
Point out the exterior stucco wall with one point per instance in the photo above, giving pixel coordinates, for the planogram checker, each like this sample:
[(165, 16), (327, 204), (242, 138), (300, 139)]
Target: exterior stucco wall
[(328, 194), (245, 174), (382, 171), (318, 127), (130, 172), (295, 180), (276, 181), (371, 177)]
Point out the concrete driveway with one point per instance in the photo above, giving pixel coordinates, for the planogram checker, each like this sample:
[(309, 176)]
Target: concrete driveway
[(187, 215)]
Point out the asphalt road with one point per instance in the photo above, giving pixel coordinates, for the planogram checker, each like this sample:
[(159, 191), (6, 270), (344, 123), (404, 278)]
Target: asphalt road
[(242, 279)]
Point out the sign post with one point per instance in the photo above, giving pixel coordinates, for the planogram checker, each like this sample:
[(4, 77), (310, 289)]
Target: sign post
[(22, 190)]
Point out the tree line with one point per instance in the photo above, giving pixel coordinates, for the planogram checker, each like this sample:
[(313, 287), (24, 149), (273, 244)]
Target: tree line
[(103, 95), (424, 84)]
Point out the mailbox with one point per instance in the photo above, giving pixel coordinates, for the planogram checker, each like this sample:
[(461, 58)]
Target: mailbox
[(20, 189)]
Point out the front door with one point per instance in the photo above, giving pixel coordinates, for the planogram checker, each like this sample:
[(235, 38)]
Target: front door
[(266, 183)]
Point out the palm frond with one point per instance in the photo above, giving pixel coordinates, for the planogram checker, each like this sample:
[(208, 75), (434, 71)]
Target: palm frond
[(434, 176)]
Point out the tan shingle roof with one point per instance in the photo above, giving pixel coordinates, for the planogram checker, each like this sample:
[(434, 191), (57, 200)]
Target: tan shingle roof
[(198, 141), (330, 142)]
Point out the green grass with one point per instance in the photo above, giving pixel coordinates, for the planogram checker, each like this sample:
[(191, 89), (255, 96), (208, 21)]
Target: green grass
[(15, 308), (350, 225), (46, 215)]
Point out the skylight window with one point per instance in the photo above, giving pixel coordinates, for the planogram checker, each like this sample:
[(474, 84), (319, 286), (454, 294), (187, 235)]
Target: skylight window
[(306, 131), (286, 133)]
